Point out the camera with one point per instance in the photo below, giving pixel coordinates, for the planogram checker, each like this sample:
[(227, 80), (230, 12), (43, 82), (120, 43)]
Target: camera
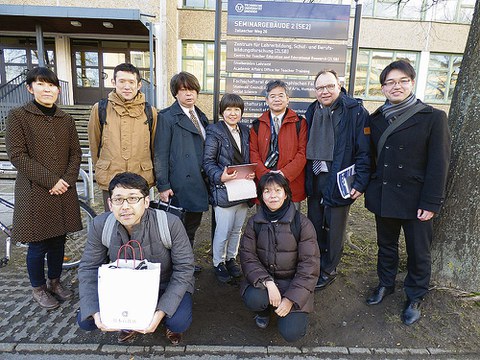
[(272, 160)]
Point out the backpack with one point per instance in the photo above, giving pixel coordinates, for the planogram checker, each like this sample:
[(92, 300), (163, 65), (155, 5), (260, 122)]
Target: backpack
[(161, 217), (298, 125), (295, 227), (102, 117)]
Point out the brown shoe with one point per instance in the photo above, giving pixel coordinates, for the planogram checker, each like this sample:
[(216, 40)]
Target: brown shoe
[(44, 298), (125, 335), (173, 337), (57, 289)]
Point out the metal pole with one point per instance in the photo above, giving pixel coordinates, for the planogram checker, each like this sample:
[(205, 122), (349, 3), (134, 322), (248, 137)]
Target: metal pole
[(153, 98), (217, 57), (40, 47), (216, 80), (356, 36)]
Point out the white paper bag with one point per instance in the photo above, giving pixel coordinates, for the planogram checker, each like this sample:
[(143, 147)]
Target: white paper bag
[(128, 297)]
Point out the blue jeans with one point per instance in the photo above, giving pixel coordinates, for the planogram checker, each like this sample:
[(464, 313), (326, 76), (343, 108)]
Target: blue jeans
[(54, 248), (292, 327), (179, 322)]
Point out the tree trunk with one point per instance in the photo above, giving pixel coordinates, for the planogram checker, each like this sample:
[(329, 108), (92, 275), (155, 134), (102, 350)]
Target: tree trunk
[(456, 241)]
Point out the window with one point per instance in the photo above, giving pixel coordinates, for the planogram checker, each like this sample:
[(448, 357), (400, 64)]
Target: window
[(442, 76), (459, 11), (198, 59), (370, 64), (204, 4)]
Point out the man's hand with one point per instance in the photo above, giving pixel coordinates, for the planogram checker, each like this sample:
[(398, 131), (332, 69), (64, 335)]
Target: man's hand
[(165, 195), (100, 325), (424, 215), (157, 319), (60, 188), (274, 296), (354, 194), (284, 308)]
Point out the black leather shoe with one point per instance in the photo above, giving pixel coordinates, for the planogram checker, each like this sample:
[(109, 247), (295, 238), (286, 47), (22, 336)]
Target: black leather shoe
[(411, 314), (324, 280), (379, 293)]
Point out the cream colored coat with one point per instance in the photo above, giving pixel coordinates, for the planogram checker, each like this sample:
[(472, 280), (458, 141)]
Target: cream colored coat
[(127, 143)]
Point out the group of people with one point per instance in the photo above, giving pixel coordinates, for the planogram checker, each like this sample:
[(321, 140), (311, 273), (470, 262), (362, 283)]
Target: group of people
[(400, 153)]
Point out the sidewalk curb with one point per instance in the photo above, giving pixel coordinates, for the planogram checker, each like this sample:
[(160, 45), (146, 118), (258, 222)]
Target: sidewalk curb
[(27, 348)]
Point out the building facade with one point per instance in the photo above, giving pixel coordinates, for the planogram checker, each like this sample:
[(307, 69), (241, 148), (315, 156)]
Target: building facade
[(83, 41)]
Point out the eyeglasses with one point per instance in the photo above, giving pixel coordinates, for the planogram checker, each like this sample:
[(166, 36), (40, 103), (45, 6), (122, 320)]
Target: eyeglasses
[(329, 88), (391, 83), (131, 200), (279, 96)]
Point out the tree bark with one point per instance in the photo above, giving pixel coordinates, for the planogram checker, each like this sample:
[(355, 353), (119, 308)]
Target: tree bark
[(456, 241)]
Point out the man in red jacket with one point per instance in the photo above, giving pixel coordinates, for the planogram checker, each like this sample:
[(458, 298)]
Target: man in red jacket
[(278, 143)]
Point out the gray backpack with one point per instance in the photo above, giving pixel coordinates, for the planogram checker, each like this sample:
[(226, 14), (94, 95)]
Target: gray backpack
[(162, 224)]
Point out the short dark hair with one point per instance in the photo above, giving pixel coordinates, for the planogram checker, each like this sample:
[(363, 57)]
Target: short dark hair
[(401, 65), (128, 180), (324, 71), (231, 100), (42, 74), (184, 80), (272, 84), (273, 178), (127, 68)]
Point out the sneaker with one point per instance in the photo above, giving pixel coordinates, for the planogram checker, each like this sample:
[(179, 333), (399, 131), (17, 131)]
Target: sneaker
[(233, 268), (221, 273)]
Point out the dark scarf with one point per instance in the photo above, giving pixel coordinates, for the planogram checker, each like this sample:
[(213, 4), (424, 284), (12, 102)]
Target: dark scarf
[(48, 111), (277, 214), (238, 157), (321, 140), (390, 110)]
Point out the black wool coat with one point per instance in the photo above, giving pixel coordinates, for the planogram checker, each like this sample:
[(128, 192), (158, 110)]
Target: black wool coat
[(43, 149), (411, 172)]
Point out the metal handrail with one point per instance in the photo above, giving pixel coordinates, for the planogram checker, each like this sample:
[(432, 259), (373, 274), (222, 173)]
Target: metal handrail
[(14, 81)]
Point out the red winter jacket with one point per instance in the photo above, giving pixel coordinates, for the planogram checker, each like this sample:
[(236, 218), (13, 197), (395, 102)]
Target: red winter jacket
[(291, 148)]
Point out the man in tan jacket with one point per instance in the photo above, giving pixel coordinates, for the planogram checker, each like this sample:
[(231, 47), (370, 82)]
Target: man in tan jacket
[(124, 140)]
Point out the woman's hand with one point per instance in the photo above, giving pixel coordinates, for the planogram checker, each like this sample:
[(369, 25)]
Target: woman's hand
[(274, 296), (60, 188), (250, 176), (226, 176), (284, 308)]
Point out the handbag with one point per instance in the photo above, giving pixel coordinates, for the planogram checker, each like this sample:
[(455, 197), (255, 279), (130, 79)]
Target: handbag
[(128, 290), (168, 207)]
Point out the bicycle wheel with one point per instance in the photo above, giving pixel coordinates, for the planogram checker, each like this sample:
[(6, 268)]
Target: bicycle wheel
[(75, 242)]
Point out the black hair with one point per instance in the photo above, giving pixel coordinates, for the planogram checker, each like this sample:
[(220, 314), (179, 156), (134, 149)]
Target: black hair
[(126, 67), (231, 100), (184, 80), (274, 84), (401, 65), (42, 74), (324, 71), (128, 180), (273, 178)]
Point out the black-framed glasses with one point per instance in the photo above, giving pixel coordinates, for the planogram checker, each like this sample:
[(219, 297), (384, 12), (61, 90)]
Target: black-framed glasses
[(329, 88), (131, 200)]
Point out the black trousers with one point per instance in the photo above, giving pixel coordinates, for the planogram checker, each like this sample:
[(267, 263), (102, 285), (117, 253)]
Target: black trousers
[(330, 224), (418, 239), (192, 222)]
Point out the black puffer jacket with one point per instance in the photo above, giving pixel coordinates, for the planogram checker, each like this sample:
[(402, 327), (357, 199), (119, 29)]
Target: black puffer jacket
[(275, 255), (217, 154)]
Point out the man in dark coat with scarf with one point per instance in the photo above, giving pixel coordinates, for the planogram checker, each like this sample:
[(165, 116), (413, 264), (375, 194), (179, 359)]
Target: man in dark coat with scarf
[(179, 141), (407, 186), (338, 137)]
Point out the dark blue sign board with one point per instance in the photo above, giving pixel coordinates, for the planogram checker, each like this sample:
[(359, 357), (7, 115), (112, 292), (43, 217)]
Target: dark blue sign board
[(297, 88), (288, 20), (255, 108)]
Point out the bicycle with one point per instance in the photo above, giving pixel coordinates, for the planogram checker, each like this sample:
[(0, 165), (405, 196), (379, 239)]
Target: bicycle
[(75, 241)]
